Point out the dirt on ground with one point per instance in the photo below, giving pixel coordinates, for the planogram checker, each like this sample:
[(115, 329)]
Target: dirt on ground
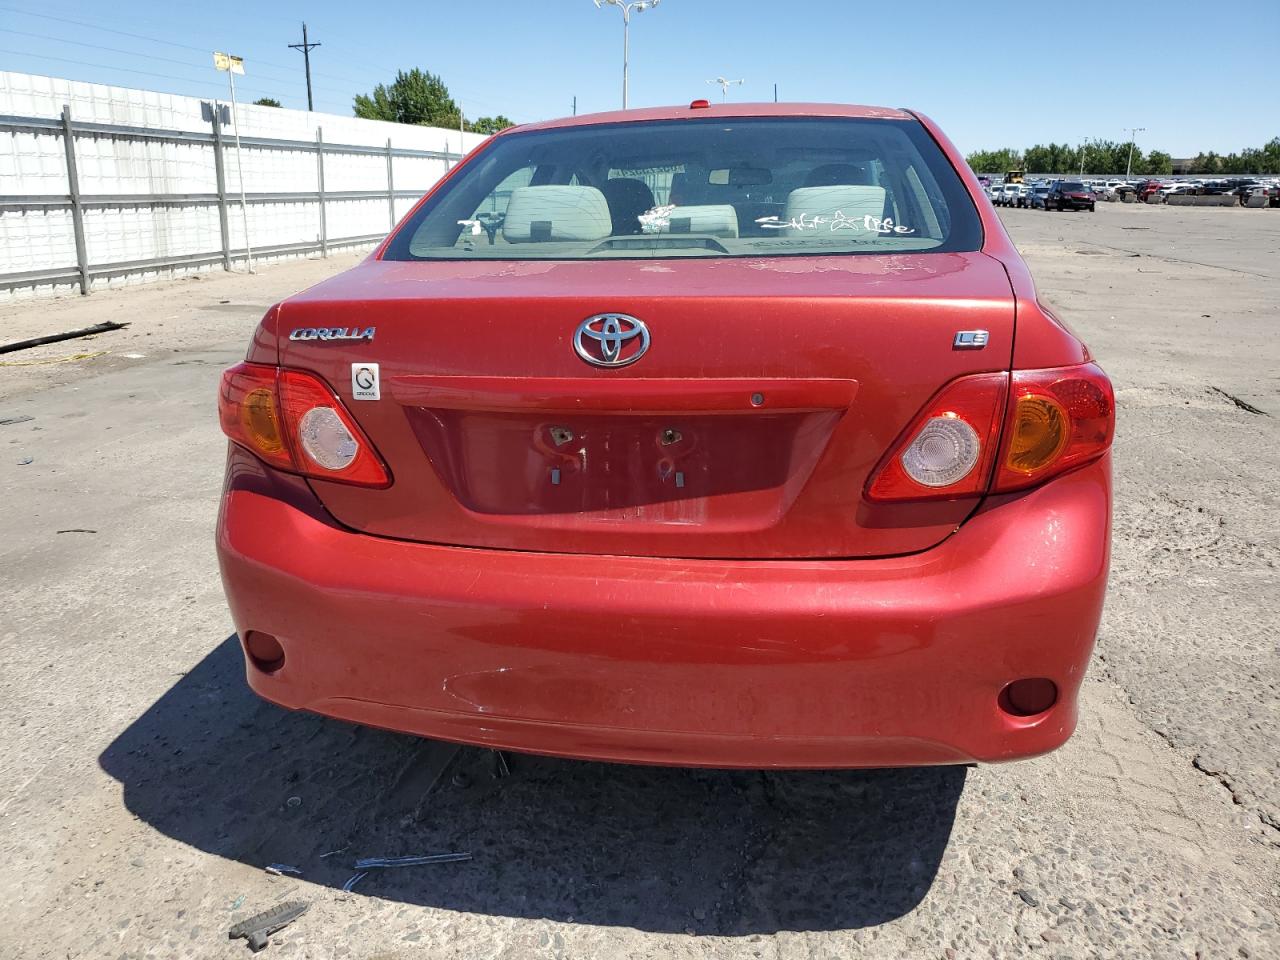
[(145, 790)]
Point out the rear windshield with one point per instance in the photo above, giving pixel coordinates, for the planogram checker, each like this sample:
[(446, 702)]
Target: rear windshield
[(698, 188)]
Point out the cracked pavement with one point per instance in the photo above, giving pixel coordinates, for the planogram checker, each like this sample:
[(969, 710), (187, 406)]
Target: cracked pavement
[(145, 789)]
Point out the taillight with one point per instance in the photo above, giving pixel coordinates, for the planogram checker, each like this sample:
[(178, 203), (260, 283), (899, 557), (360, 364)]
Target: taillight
[(948, 449), (1058, 419), (294, 422), (1055, 419)]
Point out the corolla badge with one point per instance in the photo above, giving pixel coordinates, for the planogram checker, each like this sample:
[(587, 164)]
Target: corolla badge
[(332, 333), (611, 340)]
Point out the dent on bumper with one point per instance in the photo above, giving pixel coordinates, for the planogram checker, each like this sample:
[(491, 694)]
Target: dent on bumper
[(707, 662)]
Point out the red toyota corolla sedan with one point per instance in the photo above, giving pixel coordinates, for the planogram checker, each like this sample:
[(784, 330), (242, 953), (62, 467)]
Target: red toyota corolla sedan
[(716, 435)]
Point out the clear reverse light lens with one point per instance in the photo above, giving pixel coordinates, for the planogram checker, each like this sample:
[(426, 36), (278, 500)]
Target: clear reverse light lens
[(943, 452), (326, 439)]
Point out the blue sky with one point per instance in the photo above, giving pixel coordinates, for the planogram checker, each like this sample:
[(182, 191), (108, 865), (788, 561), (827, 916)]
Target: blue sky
[(995, 74)]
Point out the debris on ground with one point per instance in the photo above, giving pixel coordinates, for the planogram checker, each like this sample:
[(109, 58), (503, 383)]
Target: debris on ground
[(501, 768), (280, 869), (57, 337), (378, 863), (68, 359), (10, 421), (257, 930), (353, 880)]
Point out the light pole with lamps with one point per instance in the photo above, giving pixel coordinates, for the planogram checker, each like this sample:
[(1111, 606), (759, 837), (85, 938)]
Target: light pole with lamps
[(639, 6), (1133, 132), (725, 85)]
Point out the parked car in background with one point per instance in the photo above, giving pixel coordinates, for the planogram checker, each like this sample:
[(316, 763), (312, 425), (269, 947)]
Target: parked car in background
[(1069, 195), (1010, 194), (1242, 189), (994, 192), (797, 498), (1179, 187), (1148, 189), (1036, 196)]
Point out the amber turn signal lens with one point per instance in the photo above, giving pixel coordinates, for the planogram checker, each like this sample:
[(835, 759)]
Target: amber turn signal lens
[(1040, 432), (258, 418)]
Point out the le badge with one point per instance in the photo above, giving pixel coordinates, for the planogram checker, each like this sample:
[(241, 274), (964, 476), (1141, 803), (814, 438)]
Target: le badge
[(364, 382)]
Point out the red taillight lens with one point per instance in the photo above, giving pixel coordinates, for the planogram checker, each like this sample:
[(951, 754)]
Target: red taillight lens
[(948, 449), (250, 415), (294, 422), (1058, 419)]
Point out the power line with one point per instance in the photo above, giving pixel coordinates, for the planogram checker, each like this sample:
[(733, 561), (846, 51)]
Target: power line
[(96, 46), (151, 56), (257, 63), (112, 66)]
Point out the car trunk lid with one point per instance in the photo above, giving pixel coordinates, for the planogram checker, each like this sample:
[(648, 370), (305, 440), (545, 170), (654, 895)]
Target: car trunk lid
[(770, 390)]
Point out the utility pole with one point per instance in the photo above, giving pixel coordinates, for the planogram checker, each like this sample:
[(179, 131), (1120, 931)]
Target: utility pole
[(775, 93), (306, 49), (1133, 132)]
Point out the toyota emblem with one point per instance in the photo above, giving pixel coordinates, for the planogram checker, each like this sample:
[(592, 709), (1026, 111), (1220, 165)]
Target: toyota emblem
[(611, 340)]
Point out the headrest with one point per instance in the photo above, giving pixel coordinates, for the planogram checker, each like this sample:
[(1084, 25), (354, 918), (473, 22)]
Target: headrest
[(852, 200), (716, 219), (555, 212)]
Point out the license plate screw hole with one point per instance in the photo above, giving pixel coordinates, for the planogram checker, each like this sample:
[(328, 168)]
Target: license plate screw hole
[(561, 435), (757, 399), (670, 436)]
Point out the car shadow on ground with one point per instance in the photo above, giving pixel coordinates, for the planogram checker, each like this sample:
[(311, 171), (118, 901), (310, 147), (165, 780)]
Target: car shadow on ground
[(654, 848)]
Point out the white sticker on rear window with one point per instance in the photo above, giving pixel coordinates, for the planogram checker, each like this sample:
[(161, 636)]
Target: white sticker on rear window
[(364, 382)]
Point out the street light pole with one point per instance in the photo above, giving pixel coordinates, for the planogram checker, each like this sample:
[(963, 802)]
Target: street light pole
[(639, 6), (726, 84), (1133, 132)]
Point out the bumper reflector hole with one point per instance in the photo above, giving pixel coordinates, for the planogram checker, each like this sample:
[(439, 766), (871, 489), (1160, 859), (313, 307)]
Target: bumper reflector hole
[(264, 651), (1026, 698)]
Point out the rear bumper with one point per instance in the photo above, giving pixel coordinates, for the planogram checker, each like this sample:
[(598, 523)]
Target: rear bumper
[(702, 662)]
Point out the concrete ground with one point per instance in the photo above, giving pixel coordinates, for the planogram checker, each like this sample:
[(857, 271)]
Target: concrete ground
[(144, 788)]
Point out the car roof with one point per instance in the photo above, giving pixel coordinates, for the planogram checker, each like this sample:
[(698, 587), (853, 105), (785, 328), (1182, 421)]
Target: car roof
[(684, 112)]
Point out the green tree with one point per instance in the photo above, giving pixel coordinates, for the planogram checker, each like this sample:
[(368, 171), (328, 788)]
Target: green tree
[(994, 161), (1157, 163), (490, 125), (266, 102), (418, 97)]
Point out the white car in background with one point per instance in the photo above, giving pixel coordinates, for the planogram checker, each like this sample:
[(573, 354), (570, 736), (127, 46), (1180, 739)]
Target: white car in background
[(1014, 195)]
